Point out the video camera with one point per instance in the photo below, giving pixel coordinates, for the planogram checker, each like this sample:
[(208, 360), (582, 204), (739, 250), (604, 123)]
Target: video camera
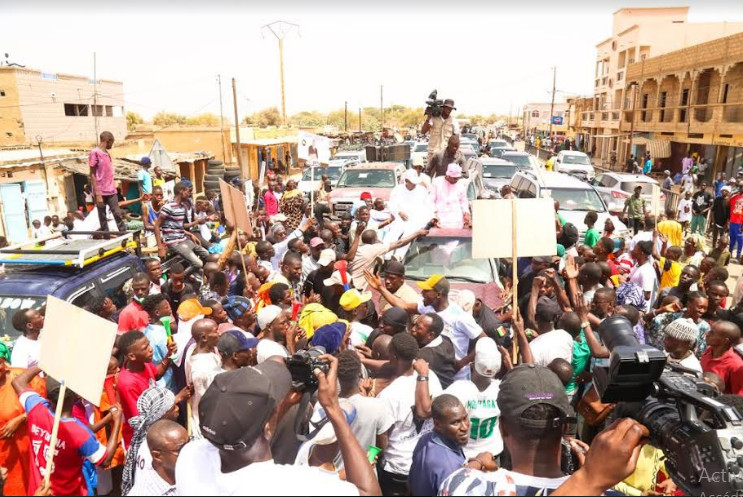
[(302, 366), (702, 439), (434, 106)]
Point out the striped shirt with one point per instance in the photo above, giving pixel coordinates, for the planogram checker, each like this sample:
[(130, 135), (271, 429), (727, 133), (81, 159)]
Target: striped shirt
[(173, 215)]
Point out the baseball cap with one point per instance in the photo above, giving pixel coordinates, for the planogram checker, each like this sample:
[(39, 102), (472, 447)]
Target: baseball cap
[(235, 341), (418, 161), (236, 306), (667, 172), (454, 171), (335, 279), (488, 358), (191, 308), (145, 161), (397, 317), (351, 299), (327, 256), (412, 176), (529, 385), (316, 241), (547, 309), (330, 336), (366, 196), (395, 267), (436, 282), (235, 408)]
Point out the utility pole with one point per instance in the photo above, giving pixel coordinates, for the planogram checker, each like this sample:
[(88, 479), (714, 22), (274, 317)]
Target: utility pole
[(221, 118), (280, 29), (381, 103), (552, 105), (345, 117), (638, 87), (237, 127), (95, 99)]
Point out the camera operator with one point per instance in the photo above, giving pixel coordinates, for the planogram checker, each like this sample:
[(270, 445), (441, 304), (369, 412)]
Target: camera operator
[(441, 127)]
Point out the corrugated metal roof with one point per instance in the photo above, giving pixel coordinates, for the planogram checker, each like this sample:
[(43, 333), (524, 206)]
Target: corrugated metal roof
[(31, 155)]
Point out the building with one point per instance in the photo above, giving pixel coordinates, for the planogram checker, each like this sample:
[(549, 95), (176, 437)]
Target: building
[(637, 34), (57, 108), (536, 119), (689, 100)]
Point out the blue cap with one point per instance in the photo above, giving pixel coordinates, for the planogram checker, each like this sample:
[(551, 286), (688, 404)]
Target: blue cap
[(330, 336), (145, 161), (235, 341), (187, 182)]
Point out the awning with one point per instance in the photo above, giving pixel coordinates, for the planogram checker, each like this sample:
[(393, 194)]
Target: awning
[(658, 148)]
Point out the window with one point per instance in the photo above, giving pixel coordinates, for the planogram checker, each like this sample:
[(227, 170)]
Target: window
[(109, 111), (725, 90), (97, 110), (535, 113), (2, 93), (74, 110)]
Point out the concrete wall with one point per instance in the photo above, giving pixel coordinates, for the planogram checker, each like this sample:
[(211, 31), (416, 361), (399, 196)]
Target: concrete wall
[(42, 98), (11, 120), (197, 139)]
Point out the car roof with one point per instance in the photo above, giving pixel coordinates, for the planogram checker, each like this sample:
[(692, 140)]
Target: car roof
[(636, 178), (557, 180), (377, 165), (515, 152), (494, 161), (572, 152)]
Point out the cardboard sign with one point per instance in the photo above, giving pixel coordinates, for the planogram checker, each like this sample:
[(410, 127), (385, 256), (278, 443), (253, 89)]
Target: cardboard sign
[(492, 228), (313, 148), (76, 348), (235, 208)]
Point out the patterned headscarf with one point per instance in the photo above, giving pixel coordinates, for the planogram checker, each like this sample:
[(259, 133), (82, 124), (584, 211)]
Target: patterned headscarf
[(631, 294), (152, 405)]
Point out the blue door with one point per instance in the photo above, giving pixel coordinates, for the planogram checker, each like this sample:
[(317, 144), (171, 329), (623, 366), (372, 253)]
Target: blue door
[(14, 212), (36, 200)]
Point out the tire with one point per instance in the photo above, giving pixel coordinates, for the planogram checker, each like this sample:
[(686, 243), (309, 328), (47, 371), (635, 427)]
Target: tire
[(216, 171), (232, 169), (230, 176), (215, 163), (212, 177), (211, 185)]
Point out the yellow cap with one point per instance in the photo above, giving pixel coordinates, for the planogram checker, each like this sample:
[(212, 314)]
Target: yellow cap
[(436, 282), (191, 308), (351, 299)]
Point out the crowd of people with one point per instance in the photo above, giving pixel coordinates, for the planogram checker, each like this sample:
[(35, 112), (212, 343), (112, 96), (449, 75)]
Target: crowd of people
[(298, 360)]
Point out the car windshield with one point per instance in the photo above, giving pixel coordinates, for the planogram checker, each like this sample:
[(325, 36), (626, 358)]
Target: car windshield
[(450, 256), (367, 178), (498, 171), (518, 159), (574, 199), (421, 147), (10, 304), (583, 160), (629, 187), (498, 143), (332, 172), (345, 157)]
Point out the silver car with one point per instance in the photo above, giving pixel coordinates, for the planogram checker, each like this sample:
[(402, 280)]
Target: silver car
[(615, 188)]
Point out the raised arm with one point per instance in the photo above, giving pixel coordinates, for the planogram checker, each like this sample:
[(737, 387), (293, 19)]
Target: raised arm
[(597, 350), (376, 283), (351, 255), (524, 348), (21, 382), (422, 392), (408, 239)]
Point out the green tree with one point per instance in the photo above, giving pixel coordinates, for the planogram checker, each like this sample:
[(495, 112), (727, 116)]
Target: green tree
[(263, 118), (207, 119), (168, 119), (308, 118), (132, 120)]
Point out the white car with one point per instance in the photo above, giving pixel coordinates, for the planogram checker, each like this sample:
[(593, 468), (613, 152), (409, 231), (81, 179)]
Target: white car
[(419, 150), (615, 188), (311, 180), (576, 164), (353, 155)]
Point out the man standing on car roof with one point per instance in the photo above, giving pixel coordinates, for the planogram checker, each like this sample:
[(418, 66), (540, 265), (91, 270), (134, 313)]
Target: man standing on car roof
[(441, 128)]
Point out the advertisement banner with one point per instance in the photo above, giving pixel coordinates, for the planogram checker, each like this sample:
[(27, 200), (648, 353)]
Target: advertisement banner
[(313, 148)]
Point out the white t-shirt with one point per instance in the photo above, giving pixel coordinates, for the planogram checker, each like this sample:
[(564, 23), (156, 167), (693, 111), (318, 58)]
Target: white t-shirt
[(550, 346), (690, 362), (268, 348), (372, 419), (143, 461), (644, 277), (460, 327), (400, 399), (25, 353), (201, 372), (484, 414), (198, 472), (683, 215)]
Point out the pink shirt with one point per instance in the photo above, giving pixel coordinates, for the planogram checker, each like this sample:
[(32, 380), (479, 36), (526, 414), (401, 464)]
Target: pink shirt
[(272, 203), (103, 171), (450, 202)]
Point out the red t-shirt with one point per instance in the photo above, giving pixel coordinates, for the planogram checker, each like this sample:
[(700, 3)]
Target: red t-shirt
[(75, 443), (736, 209), (130, 387), (132, 317), (729, 367)]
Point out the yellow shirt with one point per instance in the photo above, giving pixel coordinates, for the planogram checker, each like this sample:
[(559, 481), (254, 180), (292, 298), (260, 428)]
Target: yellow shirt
[(670, 278), (549, 164), (672, 229)]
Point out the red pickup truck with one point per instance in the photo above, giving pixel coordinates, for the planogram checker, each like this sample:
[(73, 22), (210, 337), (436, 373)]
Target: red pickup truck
[(377, 178)]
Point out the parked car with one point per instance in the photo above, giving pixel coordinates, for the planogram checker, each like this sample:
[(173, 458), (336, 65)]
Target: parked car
[(521, 159), (26, 286), (419, 150), (498, 152), (377, 178), (615, 188), (353, 155), (449, 252), (496, 173), (576, 198), (468, 151), (312, 176), (497, 143), (463, 142), (575, 163)]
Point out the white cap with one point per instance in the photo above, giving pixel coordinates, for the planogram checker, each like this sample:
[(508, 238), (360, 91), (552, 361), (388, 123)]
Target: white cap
[(335, 279), (487, 357), (326, 257), (268, 315), (412, 176), (418, 161)]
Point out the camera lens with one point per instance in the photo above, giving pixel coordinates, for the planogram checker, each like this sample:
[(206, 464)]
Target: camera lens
[(662, 420), (617, 331)]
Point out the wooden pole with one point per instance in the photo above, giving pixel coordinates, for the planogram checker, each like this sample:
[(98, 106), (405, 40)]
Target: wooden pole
[(283, 95), (55, 432), (515, 275), (221, 119), (237, 131), (242, 257)]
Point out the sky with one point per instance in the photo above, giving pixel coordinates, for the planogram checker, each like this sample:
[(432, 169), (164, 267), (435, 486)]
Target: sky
[(490, 57)]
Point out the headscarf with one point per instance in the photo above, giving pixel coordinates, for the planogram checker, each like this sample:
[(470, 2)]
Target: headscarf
[(330, 336), (314, 316), (153, 404), (262, 297), (631, 294), (5, 352)]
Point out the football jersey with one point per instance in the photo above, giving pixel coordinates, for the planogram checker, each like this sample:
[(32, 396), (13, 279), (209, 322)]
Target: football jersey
[(484, 414)]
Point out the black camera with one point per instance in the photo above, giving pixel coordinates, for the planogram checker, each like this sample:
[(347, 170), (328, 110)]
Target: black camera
[(302, 366), (434, 106), (701, 438)]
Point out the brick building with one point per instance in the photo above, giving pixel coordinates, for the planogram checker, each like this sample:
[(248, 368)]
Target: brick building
[(57, 108), (691, 99)]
